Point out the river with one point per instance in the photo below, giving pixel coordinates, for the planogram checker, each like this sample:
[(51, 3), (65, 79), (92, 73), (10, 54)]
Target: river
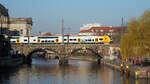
[(76, 72)]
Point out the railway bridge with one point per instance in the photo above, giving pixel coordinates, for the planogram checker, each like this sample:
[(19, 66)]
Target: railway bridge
[(63, 50)]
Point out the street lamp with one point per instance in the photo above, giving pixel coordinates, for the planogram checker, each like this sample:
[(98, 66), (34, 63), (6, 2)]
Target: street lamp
[(68, 34), (62, 31)]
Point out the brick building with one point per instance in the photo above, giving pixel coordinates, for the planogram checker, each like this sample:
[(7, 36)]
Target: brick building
[(110, 30)]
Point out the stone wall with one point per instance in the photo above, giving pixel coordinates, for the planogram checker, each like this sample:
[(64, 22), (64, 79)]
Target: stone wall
[(60, 49)]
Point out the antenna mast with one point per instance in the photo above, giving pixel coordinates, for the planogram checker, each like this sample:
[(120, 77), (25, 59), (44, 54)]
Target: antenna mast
[(62, 30)]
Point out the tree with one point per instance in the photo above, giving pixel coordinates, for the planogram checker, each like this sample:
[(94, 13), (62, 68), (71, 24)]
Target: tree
[(136, 42)]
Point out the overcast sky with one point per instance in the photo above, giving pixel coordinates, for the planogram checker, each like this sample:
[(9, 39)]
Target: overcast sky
[(47, 14)]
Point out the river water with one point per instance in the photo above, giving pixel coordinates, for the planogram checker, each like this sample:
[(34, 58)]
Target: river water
[(76, 72)]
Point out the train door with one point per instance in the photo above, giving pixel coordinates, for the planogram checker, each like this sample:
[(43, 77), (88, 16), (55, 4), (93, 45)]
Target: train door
[(18, 41), (78, 40), (38, 41), (57, 41), (96, 40)]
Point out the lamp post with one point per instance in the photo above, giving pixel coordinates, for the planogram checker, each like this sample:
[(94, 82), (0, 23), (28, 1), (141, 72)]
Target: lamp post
[(62, 31), (68, 34)]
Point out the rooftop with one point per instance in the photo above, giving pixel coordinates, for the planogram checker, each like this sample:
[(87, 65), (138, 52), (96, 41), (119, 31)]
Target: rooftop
[(105, 29)]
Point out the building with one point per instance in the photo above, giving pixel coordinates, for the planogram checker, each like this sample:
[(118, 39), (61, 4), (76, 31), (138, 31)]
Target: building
[(100, 31), (20, 26), (88, 26), (44, 34), (4, 17), (14, 26)]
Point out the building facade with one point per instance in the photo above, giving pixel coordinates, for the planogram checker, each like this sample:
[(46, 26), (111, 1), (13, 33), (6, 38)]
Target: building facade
[(88, 26), (44, 34), (20, 26), (4, 18), (14, 26), (94, 31)]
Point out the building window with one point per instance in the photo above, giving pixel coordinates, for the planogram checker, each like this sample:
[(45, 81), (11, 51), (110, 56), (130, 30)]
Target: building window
[(96, 30), (111, 31), (102, 30), (21, 31), (15, 32), (92, 30)]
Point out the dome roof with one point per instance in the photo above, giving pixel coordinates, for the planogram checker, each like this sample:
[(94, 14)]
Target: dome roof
[(3, 10)]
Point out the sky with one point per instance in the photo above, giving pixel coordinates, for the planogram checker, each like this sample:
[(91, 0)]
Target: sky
[(47, 14)]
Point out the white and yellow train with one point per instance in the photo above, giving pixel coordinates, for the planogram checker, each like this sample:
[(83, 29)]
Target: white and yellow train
[(58, 39)]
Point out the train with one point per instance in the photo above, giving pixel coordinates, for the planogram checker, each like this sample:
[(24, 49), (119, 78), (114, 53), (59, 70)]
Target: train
[(59, 39)]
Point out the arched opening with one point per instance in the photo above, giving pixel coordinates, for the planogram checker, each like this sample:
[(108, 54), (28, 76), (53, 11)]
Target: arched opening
[(96, 56), (37, 53), (87, 49), (41, 51)]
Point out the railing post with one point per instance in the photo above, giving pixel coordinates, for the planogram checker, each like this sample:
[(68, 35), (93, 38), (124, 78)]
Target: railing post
[(121, 69), (127, 71), (136, 75)]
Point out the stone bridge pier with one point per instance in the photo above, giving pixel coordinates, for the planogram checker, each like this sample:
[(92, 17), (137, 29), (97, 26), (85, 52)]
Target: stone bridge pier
[(63, 51)]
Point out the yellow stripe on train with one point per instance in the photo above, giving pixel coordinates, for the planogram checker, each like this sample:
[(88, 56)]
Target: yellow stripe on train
[(105, 38)]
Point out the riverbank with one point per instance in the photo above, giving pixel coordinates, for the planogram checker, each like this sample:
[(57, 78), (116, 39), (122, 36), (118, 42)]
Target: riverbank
[(129, 69)]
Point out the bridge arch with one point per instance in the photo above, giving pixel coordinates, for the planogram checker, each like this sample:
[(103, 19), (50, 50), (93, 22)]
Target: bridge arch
[(29, 56), (89, 49)]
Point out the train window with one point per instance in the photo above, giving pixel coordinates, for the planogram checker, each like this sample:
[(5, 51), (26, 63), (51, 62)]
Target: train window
[(65, 39), (100, 39), (75, 39), (25, 39), (70, 39), (46, 37), (49, 41), (92, 39), (42, 41), (45, 40), (52, 41), (34, 40), (89, 39)]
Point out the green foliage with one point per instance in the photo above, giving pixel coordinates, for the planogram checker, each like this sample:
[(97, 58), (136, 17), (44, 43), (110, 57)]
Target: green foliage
[(136, 42)]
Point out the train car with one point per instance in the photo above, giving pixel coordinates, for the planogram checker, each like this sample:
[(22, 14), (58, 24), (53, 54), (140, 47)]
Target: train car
[(33, 39), (18, 39), (102, 39), (71, 39), (14, 39), (48, 39), (94, 39), (87, 39), (58, 39)]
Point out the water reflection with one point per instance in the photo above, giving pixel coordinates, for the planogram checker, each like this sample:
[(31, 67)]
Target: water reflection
[(76, 72)]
